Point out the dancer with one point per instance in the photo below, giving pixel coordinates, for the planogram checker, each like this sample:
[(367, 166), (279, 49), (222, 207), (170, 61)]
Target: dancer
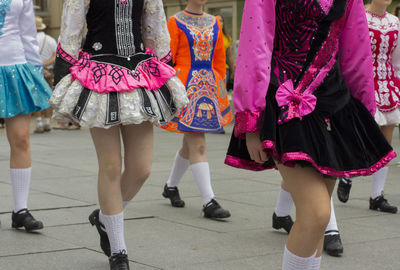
[(119, 85), (47, 50), (384, 29), (198, 52), (23, 90), (303, 102), (281, 219)]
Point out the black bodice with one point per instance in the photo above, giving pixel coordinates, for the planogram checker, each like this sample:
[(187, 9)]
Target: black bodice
[(114, 27)]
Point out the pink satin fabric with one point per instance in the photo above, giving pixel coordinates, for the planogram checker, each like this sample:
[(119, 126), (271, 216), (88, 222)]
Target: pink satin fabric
[(104, 78)]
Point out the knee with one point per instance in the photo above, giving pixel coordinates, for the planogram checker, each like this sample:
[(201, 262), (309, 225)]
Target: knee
[(20, 142), (197, 149), (317, 220), (142, 174), (111, 171)]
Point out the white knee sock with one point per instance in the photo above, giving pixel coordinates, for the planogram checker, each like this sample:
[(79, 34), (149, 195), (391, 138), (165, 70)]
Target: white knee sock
[(47, 121), (284, 204), (20, 180), (316, 264), (39, 122), (115, 230), (201, 174), (378, 182), (179, 168), (332, 227), (294, 262)]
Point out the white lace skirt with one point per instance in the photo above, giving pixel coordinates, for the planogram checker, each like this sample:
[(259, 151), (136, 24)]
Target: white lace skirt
[(387, 118), (71, 101)]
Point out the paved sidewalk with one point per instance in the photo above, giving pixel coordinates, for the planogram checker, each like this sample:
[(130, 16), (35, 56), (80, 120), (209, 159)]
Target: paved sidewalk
[(63, 194)]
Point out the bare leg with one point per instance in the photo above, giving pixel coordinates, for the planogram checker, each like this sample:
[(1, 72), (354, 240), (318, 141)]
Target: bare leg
[(108, 147), (194, 147), (138, 145), (18, 137), (388, 132), (311, 193)]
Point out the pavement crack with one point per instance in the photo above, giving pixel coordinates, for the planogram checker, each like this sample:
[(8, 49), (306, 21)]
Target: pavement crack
[(41, 252), (52, 208)]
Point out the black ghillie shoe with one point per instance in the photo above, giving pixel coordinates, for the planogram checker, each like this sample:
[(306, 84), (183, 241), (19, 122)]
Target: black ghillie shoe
[(213, 210), (333, 245), (380, 203), (285, 222), (25, 219), (172, 193), (343, 189), (104, 242), (119, 261)]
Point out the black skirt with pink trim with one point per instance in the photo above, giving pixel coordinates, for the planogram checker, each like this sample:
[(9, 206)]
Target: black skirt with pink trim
[(339, 138)]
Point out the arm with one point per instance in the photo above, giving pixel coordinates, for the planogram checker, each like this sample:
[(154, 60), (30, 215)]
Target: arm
[(253, 66), (173, 31), (219, 61), (155, 31), (51, 61), (72, 25), (28, 34), (396, 55), (356, 61)]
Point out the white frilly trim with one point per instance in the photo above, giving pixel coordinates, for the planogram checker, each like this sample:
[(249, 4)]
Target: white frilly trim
[(67, 92), (387, 118)]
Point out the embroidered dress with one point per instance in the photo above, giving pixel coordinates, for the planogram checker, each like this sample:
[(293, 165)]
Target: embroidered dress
[(384, 34), (303, 85), (23, 88), (197, 47), (123, 74)]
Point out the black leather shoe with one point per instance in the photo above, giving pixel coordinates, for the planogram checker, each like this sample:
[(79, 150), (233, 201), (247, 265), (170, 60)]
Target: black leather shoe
[(343, 189), (213, 210), (25, 219), (104, 241), (380, 203), (119, 261), (285, 222), (333, 245), (172, 193)]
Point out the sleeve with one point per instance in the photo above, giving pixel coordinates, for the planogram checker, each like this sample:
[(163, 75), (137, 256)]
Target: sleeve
[(28, 32), (155, 32), (219, 61), (253, 66), (356, 61), (174, 33), (396, 54), (72, 26)]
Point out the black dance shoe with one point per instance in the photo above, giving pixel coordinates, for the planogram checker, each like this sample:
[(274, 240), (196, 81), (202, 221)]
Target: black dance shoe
[(119, 261), (285, 222), (25, 219), (343, 189), (172, 193), (380, 203), (104, 241), (333, 245), (213, 210)]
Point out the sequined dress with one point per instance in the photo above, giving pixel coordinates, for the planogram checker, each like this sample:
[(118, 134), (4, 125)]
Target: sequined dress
[(198, 52), (123, 73), (23, 89), (306, 89), (384, 34)]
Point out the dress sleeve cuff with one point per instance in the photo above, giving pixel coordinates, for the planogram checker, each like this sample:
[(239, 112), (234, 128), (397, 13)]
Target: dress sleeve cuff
[(247, 122)]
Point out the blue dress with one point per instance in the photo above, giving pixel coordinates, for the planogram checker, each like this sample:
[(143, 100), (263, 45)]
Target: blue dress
[(23, 88)]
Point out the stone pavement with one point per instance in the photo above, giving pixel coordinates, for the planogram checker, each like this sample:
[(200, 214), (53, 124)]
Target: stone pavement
[(63, 194)]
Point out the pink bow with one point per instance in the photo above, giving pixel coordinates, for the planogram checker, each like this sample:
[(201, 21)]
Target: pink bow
[(300, 104)]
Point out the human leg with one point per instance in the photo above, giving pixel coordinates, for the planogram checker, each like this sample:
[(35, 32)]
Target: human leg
[(39, 122), (46, 120), (311, 194), (284, 204), (17, 129), (377, 200)]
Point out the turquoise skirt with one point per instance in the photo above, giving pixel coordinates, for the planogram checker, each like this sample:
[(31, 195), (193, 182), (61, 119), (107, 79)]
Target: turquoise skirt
[(23, 90)]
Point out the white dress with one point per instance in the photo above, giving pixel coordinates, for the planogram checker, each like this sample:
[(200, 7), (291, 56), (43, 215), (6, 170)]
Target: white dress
[(122, 75)]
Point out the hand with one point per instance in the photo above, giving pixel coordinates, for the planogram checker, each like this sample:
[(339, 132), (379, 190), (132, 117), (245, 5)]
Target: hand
[(254, 147)]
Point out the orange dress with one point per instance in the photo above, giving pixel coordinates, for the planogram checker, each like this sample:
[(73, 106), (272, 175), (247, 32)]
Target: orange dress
[(197, 47)]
